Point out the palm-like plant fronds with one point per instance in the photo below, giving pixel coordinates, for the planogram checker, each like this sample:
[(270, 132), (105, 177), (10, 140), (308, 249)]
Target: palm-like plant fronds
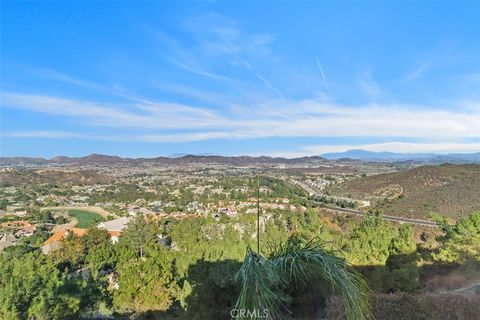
[(297, 262), (260, 285), (262, 280)]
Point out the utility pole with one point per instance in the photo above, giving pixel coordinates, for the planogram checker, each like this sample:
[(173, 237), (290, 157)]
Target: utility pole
[(258, 214)]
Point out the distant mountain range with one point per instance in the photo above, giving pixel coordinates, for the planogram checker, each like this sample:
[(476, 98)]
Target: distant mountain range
[(348, 156), (364, 155), (105, 160)]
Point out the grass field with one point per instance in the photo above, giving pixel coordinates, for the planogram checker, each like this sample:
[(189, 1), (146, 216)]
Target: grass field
[(85, 219)]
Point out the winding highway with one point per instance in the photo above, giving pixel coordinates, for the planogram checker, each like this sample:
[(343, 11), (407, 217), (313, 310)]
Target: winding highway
[(386, 217), (311, 192)]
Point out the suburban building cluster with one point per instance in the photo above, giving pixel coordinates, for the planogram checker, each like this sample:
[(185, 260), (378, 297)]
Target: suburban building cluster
[(180, 192)]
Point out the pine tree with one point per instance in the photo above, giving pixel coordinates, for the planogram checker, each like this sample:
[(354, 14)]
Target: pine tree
[(139, 234)]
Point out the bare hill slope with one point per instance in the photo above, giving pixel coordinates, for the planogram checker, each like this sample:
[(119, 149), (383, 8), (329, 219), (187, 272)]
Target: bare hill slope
[(452, 190), (14, 177)]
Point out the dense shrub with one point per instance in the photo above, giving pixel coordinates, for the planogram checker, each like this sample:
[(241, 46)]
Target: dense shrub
[(402, 306)]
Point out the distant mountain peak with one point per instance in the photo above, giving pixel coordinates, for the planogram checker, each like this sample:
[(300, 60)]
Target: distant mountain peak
[(100, 159), (387, 156)]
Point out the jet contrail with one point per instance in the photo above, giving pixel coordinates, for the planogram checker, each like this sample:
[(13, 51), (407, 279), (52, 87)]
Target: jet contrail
[(267, 83), (261, 78), (323, 74)]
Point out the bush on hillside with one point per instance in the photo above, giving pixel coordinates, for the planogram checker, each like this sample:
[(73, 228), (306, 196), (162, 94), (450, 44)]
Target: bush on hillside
[(403, 306)]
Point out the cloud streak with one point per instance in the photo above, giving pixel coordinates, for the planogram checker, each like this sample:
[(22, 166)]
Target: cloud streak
[(323, 74), (419, 71), (269, 85), (42, 134), (304, 118)]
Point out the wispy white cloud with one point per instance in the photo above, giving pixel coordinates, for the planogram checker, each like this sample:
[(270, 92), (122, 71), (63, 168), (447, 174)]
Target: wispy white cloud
[(42, 134), (58, 76), (268, 84), (46, 73), (257, 113), (369, 85), (146, 114), (199, 71), (231, 42), (305, 118), (197, 94), (218, 36), (419, 71), (184, 58), (264, 80)]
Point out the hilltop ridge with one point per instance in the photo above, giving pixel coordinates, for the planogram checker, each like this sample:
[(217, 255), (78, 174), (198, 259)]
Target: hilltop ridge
[(448, 189), (348, 156), (99, 159)]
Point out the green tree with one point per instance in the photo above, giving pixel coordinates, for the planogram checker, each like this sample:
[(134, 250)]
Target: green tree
[(94, 237), (402, 264), (31, 287), (102, 257), (139, 234), (461, 241), (370, 242), (71, 254), (44, 217), (146, 284), (93, 294)]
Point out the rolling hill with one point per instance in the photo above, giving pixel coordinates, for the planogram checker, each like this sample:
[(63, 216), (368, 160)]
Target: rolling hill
[(15, 177), (106, 160), (448, 189)]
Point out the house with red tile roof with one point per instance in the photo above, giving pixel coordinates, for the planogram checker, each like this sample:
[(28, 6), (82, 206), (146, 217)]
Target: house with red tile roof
[(54, 242)]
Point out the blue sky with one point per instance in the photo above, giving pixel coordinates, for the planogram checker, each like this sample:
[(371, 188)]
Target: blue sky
[(275, 78)]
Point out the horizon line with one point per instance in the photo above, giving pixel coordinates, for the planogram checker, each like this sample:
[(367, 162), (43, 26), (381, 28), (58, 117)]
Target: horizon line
[(183, 155)]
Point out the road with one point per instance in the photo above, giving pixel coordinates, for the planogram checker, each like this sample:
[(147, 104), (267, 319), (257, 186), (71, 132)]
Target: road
[(386, 217), (311, 192), (470, 290)]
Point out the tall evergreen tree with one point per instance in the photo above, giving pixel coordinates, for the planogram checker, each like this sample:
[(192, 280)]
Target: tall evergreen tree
[(139, 234)]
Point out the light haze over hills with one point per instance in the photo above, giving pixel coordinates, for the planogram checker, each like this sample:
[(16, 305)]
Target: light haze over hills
[(359, 155), (391, 156)]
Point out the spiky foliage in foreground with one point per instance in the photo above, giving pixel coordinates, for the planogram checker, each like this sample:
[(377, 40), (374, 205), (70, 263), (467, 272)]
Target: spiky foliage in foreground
[(264, 279)]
